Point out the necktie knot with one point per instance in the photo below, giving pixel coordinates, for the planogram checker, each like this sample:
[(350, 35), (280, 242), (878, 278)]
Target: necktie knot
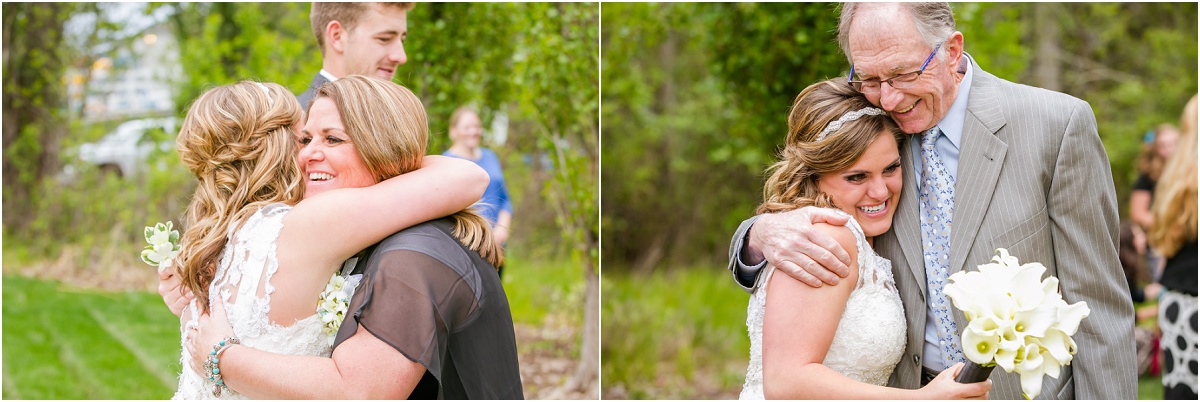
[(930, 137)]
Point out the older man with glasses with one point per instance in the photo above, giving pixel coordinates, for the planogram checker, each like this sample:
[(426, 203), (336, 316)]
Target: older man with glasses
[(991, 164)]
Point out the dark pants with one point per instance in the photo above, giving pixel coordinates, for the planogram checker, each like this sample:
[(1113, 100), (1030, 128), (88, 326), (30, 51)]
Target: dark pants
[(927, 375)]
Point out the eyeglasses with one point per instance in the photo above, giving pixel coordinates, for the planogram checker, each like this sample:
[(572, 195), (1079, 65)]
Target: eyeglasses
[(872, 86)]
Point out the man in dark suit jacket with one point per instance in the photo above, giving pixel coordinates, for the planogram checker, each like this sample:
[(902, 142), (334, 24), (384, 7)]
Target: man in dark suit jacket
[(1032, 177), (357, 38)]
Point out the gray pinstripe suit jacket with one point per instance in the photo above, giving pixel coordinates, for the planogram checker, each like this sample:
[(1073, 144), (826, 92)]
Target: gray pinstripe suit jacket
[(1033, 177)]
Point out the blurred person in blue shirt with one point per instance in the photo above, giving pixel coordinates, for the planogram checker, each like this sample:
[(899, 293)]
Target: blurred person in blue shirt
[(466, 133)]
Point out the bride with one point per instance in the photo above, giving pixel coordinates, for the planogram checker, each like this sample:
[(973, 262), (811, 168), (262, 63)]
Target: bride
[(838, 341), (255, 247)]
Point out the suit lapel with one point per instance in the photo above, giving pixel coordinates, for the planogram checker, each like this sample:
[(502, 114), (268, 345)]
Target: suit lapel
[(907, 221), (317, 82), (979, 165)]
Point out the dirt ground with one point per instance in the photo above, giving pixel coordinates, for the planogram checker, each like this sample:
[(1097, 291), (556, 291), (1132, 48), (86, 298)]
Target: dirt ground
[(547, 363)]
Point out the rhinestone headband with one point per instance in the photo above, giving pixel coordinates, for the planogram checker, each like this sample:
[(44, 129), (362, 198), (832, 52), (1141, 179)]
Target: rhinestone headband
[(270, 100), (849, 117)]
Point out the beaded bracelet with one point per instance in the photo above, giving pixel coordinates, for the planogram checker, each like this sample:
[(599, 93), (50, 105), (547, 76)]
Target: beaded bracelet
[(211, 363)]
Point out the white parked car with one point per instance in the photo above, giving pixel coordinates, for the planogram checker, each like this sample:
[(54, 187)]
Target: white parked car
[(126, 149)]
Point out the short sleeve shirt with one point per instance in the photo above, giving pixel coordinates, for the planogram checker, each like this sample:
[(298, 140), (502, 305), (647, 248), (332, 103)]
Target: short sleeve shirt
[(442, 306)]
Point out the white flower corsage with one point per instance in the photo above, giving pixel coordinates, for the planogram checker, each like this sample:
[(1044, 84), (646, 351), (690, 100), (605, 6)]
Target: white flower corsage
[(334, 302), (1017, 320), (163, 245)]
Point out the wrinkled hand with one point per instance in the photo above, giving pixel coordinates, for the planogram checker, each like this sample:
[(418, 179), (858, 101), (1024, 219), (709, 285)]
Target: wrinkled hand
[(944, 386), (790, 242), (211, 328), (174, 294)]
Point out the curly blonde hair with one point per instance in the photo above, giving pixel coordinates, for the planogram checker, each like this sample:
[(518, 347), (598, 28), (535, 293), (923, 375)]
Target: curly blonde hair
[(239, 140), (792, 181), (392, 141), (1174, 206)]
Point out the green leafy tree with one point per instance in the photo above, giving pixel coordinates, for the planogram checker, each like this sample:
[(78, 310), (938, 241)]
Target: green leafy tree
[(695, 99), (556, 81), (222, 43), (35, 119)]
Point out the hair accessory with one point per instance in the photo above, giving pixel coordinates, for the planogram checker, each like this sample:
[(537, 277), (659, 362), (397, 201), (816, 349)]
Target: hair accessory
[(849, 117), (270, 100)]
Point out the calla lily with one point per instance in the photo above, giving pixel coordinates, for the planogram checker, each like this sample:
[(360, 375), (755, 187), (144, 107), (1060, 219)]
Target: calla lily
[(1031, 370), (1017, 320), (1070, 315), (1059, 345), (981, 339), (1034, 322), (1003, 258), (1026, 288)]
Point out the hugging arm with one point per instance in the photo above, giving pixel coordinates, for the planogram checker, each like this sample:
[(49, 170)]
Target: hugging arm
[(442, 186), (360, 217), (796, 341), (791, 242), (362, 367)]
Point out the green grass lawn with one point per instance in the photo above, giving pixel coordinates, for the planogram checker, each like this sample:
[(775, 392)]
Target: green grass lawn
[(63, 343), (67, 343), (674, 335)]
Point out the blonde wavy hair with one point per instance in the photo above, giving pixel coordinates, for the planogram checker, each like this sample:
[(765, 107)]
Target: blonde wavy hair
[(392, 141), (239, 140), (1174, 206), (792, 181)]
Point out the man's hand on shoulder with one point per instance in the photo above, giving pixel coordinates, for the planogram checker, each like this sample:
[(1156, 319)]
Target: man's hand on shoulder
[(790, 242)]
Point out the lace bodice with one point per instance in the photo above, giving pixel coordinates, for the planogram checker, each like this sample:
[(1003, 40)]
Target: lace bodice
[(870, 337), (243, 283)]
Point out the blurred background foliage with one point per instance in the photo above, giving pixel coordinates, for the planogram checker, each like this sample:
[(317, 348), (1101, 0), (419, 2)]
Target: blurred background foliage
[(532, 66), (694, 102)]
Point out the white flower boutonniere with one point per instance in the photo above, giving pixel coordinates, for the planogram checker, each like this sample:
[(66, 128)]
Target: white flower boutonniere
[(1017, 320), (163, 245), (334, 302)]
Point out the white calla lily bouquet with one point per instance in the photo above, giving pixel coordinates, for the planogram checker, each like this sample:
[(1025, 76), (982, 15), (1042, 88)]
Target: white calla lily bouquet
[(163, 245), (1017, 320)]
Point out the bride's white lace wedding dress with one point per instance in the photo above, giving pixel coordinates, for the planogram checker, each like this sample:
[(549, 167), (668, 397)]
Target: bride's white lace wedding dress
[(249, 260), (870, 336)]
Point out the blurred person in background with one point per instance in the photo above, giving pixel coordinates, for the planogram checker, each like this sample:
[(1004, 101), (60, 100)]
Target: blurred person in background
[(1132, 254), (466, 133), (357, 38), (1158, 146), (1174, 235)]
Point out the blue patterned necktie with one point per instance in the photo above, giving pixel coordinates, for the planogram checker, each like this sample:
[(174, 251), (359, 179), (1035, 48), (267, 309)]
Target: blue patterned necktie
[(937, 207)]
